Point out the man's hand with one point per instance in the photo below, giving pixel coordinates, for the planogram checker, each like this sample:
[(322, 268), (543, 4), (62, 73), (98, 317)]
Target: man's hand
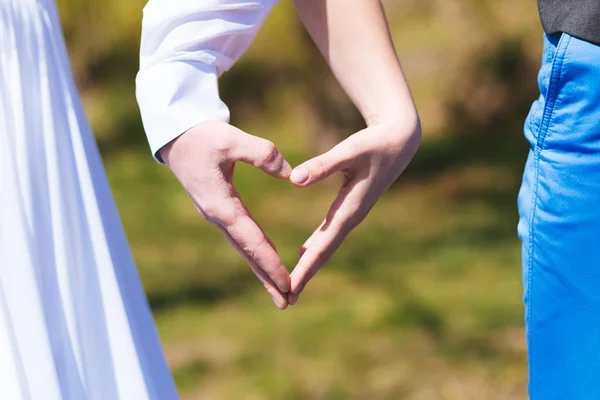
[(371, 161), (203, 159)]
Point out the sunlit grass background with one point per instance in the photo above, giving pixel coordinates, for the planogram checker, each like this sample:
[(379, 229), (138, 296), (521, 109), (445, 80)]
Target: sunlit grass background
[(423, 301)]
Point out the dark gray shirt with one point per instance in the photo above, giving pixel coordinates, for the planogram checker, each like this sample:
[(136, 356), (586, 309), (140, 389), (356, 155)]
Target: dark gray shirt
[(579, 18)]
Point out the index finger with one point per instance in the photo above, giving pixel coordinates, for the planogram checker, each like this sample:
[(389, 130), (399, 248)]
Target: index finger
[(344, 214), (280, 299), (242, 229)]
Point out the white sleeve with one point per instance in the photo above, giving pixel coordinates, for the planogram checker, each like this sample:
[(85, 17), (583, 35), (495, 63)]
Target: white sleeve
[(186, 45)]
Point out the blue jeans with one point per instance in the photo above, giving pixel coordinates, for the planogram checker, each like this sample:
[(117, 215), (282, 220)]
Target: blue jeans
[(559, 209)]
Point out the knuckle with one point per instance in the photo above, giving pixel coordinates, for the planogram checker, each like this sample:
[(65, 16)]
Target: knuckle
[(225, 216), (320, 256), (354, 209), (268, 152), (254, 251), (228, 217), (354, 214), (210, 211)]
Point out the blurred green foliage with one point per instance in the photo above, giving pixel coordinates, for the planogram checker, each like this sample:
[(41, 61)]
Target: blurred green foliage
[(423, 301)]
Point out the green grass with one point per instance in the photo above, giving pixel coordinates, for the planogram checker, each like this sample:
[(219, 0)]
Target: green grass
[(423, 300)]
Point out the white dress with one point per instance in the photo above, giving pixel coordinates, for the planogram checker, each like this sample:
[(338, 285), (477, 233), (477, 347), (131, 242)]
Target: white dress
[(74, 320)]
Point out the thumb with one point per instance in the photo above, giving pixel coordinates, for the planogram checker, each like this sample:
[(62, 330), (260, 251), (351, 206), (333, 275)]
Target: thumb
[(261, 153), (323, 166)]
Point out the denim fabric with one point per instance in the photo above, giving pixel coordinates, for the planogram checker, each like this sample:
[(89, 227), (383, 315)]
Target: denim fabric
[(559, 209)]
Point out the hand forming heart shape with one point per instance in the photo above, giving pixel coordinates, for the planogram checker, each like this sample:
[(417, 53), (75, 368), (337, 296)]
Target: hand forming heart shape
[(371, 160), (203, 159)]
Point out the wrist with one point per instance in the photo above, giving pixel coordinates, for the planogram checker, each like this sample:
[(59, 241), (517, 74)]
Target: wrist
[(402, 115), (165, 151)]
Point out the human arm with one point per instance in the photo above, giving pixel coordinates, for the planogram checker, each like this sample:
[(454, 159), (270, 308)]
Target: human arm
[(354, 39), (186, 45)]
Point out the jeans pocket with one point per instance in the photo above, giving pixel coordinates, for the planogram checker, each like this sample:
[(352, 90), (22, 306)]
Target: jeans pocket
[(550, 83)]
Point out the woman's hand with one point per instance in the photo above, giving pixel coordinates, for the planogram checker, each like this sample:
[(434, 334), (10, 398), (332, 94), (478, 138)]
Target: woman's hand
[(371, 161), (203, 160)]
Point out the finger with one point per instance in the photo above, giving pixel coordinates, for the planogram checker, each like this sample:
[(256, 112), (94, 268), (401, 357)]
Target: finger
[(323, 245), (335, 205), (316, 169), (345, 213), (279, 298), (261, 153), (308, 241), (250, 238), (237, 194), (234, 218)]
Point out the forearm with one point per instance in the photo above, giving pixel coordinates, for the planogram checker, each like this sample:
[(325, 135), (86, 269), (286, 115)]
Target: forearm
[(354, 39)]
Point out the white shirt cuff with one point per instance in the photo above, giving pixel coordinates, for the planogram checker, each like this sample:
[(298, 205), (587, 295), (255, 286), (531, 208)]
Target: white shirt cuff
[(174, 96)]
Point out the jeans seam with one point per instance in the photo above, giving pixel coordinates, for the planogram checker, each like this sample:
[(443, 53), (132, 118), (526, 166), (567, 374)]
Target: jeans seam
[(542, 132), (536, 162)]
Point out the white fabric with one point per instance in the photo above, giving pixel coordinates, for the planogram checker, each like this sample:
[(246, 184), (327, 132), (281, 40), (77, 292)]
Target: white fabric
[(74, 320), (186, 46)]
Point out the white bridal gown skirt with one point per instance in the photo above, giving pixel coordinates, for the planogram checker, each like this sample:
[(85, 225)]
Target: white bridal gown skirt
[(74, 320)]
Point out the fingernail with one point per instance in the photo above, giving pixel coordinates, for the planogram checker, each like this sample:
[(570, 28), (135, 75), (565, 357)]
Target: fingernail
[(278, 303), (284, 287), (299, 175), (286, 168)]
